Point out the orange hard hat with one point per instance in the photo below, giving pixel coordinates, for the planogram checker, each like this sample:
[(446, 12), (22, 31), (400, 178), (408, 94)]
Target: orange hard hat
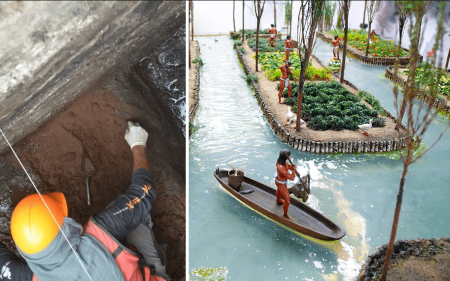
[(32, 225)]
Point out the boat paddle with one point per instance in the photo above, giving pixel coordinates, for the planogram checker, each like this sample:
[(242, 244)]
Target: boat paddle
[(290, 161)]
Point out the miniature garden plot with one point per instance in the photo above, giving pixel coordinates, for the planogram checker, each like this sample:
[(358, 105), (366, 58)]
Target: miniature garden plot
[(377, 48), (271, 65), (329, 106), (424, 80), (262, 43)]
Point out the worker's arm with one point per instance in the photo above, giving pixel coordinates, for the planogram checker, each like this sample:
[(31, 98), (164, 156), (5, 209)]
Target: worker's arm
[(12, 268), (131, 207)]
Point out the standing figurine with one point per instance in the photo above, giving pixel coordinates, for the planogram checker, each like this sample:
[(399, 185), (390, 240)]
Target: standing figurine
[(336, 43), (287, 47), (286, 71), (280, 181), (273, 35)]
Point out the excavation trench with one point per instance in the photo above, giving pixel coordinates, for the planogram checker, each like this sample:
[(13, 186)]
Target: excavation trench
[(78, 133)]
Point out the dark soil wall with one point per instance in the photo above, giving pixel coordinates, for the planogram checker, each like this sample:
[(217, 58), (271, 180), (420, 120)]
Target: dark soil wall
[(138, 74)]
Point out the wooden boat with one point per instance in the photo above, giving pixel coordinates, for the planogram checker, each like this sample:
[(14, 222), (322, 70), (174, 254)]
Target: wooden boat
[(304, 218)]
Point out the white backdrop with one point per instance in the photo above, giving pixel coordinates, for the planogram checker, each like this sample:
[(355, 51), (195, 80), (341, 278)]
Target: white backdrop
[(216, 17)]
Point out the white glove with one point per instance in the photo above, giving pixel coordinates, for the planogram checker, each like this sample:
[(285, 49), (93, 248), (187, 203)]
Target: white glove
[(135, 135)]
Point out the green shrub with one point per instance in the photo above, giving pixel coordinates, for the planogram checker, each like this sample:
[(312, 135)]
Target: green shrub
[(329, 106), (251, 77), (237, 43), (370, 99), (235, 36), (262, 42), (242, 49), (198, 59)]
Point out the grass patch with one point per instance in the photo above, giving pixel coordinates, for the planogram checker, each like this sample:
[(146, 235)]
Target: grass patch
[(251, 77), (242, 49), (198, 59)]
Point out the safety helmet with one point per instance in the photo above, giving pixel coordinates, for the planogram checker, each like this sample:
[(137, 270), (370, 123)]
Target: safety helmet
[(32, 225)]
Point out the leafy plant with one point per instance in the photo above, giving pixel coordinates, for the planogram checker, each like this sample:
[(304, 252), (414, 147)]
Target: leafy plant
[(235, 36), (370, 99), (251, 77), (198, 59), (329, 106), (209, 274), (237, 43), (279, 45), (242, 49)]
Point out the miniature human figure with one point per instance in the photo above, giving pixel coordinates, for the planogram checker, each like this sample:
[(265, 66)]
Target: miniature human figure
[(287, 47), (336, 42), (280, 181), (285, 71), (40, 236), (273, 35)]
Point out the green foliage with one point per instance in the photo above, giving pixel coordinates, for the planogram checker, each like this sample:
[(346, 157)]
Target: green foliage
[(378, 47), (370, 99), (329, 106), (287, 12), (198, 59), (251, 77), (209, 274), (427, 74), (252, 32), (192, 128), (242, 49), (329, 10), (340, 22), (235, 36), (262, 42), (237, 43), (271, 65)]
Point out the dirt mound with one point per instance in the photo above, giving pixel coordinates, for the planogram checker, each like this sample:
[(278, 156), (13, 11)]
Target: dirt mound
[(419, 259)]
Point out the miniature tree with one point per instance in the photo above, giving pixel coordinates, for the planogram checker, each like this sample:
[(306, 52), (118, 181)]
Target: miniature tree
[(372, 9), (243, 30), (274, 14), (191, 6), (329, 10), (417, 121), (234, 22), (345, 11), (364, 14), (287, 15), (310, 14), (402, 17), (258, 13), (413, 53)]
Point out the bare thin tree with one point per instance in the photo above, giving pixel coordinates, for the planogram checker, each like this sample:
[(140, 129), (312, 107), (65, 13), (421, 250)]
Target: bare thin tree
[(259, 9), (402, 17), (372, 8), (191, 6), (310, 14), (290, 28), (364, 14), (234, 22), (243, 12), (345, 10), (414, 57), (418, 120), (274, 13)]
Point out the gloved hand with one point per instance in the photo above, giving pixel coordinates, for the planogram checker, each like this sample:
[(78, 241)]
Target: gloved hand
[(135, 135)]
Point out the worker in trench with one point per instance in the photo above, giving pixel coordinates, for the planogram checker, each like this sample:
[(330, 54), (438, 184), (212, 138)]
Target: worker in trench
[(103, 246)]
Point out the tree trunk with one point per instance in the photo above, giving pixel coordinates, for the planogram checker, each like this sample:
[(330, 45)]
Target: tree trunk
[(257, 40), (448, 56), (243, 10), (368, 38), (364, 15), (290, 20), (408, 92), (234, 24), (398, 208), (192, 20), (274, 14), (344, 51)]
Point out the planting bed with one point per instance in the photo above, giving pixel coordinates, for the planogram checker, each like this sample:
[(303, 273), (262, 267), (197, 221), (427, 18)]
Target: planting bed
[(72, 123), (269, 95), (376, 55)]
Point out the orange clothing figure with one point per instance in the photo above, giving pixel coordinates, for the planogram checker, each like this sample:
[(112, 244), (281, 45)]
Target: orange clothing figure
[(285, 71), (287, 47), (280, 181), (273, 35)]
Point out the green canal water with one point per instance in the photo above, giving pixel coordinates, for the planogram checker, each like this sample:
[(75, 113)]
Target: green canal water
[(358, 192)]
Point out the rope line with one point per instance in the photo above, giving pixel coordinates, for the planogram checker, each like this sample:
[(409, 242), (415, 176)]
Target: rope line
[(37, 190)]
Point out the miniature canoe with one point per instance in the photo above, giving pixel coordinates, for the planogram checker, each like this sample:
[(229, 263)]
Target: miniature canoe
[(304, 218)]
